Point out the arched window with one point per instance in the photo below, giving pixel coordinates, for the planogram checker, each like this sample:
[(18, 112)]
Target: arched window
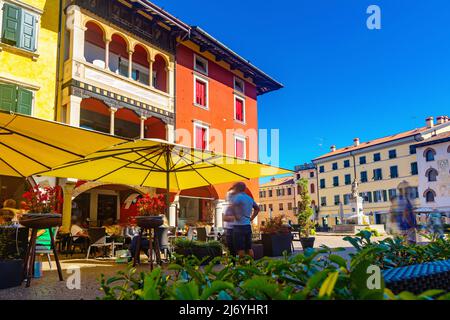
[(313, 188), (94, 46), (160, 73), (432, 175), (429, 155), (430, 196)]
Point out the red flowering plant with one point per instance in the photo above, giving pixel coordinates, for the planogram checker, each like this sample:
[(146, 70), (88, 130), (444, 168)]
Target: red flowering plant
[(42, 199), (151, 206)]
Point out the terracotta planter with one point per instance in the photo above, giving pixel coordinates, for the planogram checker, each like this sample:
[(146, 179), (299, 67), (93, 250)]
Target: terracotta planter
[(307, 243), (41, 221), (150, 222)]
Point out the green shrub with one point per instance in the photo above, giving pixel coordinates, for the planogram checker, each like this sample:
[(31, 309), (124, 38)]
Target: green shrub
[(314, 275), (395, 253)]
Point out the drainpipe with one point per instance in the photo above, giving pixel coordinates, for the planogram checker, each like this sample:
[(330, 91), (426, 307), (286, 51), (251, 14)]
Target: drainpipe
[(58, 60)]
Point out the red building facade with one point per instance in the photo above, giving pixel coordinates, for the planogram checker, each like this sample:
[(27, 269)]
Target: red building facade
[(216, 108)]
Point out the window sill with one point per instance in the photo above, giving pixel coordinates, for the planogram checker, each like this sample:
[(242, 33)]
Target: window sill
[(244, 123), (201, 107), (6, 47)]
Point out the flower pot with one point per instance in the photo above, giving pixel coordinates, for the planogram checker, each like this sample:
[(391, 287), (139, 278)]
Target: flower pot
[(307, 243), (276, 244), (150, 222), (41, 220), (12, 273)]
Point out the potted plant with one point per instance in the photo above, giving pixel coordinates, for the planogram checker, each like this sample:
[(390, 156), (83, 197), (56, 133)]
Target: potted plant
[(276, 237), (13, 245), (42, 204), (201, 250), (305, 215), (151, 211)]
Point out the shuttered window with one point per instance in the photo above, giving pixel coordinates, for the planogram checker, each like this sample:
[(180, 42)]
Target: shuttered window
[(239, 110), (8, 97), (201, 93), (201, 137), (19, 28), (240, 148), (15, 99)]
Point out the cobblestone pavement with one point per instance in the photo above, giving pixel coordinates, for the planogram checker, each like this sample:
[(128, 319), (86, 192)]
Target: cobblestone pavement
[(48, 287)]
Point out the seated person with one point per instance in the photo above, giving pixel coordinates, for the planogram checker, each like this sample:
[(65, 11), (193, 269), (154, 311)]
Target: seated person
[(9, 212), (113, 229), (78, 233)]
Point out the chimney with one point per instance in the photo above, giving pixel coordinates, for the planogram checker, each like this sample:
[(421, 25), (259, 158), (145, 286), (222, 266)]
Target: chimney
[(356, 142), (430, 122), (333, 148), (440, 120)]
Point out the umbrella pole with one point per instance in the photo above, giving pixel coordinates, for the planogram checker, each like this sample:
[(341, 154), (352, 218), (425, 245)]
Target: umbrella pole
[(167, 182)]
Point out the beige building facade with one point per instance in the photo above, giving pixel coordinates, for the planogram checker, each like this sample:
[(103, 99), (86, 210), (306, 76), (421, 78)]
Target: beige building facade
[(278, 197), (377, 166)]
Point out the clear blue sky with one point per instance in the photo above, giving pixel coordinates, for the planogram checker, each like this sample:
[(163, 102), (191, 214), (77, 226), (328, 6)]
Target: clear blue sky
[(341, 80)]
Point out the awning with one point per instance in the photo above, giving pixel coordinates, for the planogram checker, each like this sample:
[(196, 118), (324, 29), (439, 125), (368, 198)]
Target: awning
[(30, 145)]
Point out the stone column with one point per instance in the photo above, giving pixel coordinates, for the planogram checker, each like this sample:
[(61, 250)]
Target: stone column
[(173, 212), (220, 210), (143, 119), (171, 80), (107, 43), (112, 120), (170, 133), (74, 111), (67, 206), (150, 80), (130, 64), (171, 86), (74, 24)]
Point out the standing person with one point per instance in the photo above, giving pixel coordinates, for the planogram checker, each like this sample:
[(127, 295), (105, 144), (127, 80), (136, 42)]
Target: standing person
[(245, 211), (404, 215), (228, 223), (435, 226)]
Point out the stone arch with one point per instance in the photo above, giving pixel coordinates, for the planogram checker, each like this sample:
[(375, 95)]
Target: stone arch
[(89, 185)]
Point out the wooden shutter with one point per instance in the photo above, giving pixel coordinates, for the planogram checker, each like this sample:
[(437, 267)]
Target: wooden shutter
[(28, 34), (200, 98), (240, 153), (8, 97), (24, 101), (239, 110), (11, 24)]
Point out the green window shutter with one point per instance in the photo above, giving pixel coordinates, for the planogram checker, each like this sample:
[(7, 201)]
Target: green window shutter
[(11, 24), (8, 97), (24, 101), (28, 34)]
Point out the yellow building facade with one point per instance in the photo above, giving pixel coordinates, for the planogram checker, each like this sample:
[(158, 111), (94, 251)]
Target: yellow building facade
[(29, 38), (28, 56), (378, 167)]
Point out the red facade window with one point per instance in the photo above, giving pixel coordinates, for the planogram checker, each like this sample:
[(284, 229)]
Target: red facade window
[(200, 93), (240, 110), (201, 137), (240, 148)]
